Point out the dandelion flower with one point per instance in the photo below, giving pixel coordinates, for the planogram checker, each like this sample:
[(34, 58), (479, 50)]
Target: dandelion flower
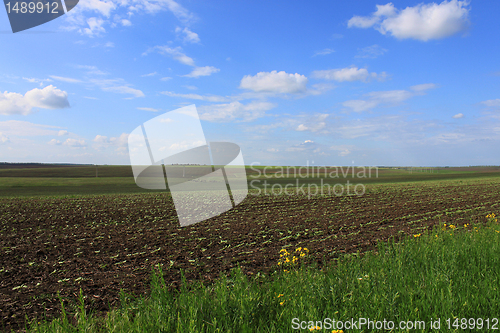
[(315, 328)]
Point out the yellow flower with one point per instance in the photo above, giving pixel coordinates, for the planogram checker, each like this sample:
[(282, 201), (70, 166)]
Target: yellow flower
[(452, 226), (337, 331), (417, 235), (315, 328), (280, 295), (281, 303)]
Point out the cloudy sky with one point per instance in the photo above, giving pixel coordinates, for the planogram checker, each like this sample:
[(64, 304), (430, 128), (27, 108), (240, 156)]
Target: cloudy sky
[(291, 82)]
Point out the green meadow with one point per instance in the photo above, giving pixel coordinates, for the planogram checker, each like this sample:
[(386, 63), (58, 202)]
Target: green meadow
[(63, 180)]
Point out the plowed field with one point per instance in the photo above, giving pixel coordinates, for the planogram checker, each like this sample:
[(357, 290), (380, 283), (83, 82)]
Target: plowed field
[(102, 244)]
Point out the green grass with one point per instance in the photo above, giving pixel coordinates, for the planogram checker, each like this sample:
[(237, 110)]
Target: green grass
[(81, 180), (455, 274), (46, 186)]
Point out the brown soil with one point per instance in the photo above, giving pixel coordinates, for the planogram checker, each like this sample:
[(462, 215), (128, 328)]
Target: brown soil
[(103, 244)]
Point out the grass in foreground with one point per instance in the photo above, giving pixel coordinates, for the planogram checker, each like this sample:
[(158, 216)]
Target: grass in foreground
[(451, 274)]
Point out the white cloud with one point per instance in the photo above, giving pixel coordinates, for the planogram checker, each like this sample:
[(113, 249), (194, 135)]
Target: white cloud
[(234, 111), (35, 80), (371, 52), (308, 145), (361, 105), (91, 70), (14, 103), (109, 44), (196, 96), (25, 128), (101, 139), (47, 98), (320, 88), (187, 35), (392, 97), (3, 138), (54, 142), (76, 19), (350, 74), (62, 133), (175, 53), (166, 78), (324, 52), (342, 149), (121, 140), (95, 27), (148, 109), (275, 82), (75, 143), (150, 74), (166, 120), (202, 71), (180, 12), (65, 79), (102, 7), (492, 102), (422, 22), (102, 142), (423, 87), (458, 116), (124, 90), (313, 124), (116, 85)]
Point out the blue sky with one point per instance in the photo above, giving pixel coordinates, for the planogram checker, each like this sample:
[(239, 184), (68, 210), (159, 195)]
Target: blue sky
[(292, 82)]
